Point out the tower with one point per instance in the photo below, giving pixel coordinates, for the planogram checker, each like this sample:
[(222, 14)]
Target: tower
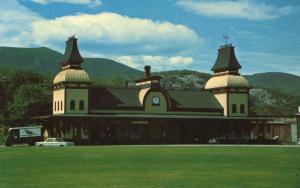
[(228, 86), (70, 85)]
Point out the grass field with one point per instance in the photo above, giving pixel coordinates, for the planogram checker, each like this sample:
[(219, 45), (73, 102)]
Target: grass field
[(150, 166)]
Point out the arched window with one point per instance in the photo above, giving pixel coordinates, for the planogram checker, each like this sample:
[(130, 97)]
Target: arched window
[(234, 108), (61, 106), (55, 106), (72, 105), (242, 108), (81, 105)]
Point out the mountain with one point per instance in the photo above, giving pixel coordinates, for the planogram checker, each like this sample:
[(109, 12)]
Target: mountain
[(46, 61), (272, 93), (276, 81), (284, 83), (183, 79), (267, 102)]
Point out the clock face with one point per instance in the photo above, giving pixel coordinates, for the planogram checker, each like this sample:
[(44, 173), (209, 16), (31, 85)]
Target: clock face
[(155, 100)]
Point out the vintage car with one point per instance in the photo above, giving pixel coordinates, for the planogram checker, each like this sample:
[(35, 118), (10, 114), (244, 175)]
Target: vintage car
[(54, 142)]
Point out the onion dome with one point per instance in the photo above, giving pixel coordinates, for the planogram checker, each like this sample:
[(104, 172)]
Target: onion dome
[(226, 71), (71, 70), (72, 75), (227, 81)]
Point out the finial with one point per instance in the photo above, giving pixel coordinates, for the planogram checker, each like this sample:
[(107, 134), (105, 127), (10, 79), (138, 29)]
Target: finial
[(226, 37)]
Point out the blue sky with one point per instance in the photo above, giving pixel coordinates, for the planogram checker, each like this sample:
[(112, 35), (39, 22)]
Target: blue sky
[(166, 34)]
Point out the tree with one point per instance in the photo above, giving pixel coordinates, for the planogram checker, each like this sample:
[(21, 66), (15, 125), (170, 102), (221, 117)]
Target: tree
[(30, 100)]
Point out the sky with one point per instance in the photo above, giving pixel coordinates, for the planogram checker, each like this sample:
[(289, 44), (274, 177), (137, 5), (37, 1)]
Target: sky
[(166, 34)]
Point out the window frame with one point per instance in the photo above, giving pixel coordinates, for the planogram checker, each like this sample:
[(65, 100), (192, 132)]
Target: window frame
[(234, 108), (72, 105), (81, 105), (242, 109)]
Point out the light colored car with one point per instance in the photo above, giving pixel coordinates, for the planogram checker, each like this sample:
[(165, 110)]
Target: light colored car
[(54, 142)]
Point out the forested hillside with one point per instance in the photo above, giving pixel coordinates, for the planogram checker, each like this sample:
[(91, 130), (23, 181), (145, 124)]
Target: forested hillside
[(46, 61), (26, 76)]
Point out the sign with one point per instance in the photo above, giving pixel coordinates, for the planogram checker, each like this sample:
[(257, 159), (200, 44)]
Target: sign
[(140, 122), (30, 132)]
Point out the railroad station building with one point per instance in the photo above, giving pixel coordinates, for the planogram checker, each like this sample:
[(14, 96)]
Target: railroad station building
[(147, 113)]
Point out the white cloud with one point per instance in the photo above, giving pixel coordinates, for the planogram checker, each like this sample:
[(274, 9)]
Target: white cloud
[(159, 63), (15, 24), (128, 60), (178, 60), (115, 29), (239, 9), (110, 30), (83, 2)]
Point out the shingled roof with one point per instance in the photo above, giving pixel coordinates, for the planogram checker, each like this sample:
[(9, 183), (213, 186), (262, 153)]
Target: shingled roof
[(113, 98), (226, 60), (71, 55), (193, 99), (101, 98)]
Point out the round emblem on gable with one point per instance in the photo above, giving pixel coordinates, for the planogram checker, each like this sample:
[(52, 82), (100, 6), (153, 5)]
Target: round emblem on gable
[(156, 100)]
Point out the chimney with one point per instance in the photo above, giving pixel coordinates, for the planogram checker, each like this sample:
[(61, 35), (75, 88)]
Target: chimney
[(147, 69)]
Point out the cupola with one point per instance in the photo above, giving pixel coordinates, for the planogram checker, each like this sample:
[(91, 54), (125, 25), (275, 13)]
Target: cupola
[(71, 70), (226, 61), (227, 85), (226, 71)]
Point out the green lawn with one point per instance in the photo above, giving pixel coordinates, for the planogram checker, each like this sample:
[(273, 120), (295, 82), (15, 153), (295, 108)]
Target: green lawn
[(150, 166)]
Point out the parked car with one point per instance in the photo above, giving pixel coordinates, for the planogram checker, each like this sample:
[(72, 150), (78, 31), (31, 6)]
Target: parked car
[(224, 140), (54, 142)]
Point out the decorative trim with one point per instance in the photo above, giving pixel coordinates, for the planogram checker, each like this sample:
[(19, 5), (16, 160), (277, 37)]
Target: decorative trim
[(226, 73), (227, 96), (148, 79), (231, 90), (65, 106), (196, 110)]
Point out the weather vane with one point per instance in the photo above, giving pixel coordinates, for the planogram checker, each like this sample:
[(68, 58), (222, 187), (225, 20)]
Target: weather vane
[(226, 37)]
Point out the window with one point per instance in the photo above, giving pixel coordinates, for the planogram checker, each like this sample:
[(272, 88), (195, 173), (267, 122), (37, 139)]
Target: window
[(72, 105), (61, 106), (55, 106), (234, 108), (242, 108), (81, 105)]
